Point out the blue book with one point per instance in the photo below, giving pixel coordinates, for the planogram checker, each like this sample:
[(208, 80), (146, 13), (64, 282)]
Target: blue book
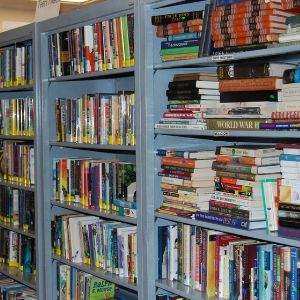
[(260, 271), (124, 203), (268, 271), (228, 2), (184, 36), (73, 283), (228, 221), (294, 273), (179, 44), (290, 157)]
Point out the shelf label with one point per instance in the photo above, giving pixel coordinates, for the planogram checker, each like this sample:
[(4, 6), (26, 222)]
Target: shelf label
[(221, 133), (46, 9), (222, 57)]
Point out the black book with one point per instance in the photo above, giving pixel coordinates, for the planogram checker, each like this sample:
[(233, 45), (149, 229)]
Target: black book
[(289, 207), (250, 96), (65, 53), (208, 43), (192, 91), (176, 17), (182, 85), (289, 222)]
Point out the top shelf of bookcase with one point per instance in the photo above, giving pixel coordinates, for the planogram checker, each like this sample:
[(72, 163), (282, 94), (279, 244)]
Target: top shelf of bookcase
[(17, 35), (213, 60), (95, 75)]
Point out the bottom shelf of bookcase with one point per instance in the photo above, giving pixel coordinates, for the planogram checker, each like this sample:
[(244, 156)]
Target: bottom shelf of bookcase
[(27, 279), (260, 234), (181, 290), (121, 281)]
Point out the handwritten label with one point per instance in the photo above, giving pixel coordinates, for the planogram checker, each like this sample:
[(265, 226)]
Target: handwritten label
[(222, 57), (46, 9), (221, 133)]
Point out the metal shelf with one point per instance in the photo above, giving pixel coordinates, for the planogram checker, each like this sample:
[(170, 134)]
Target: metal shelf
[(182, 290), (17, 229), (108, 73), (93, 212), (28, 87), (16, 137), (117, 148), (14, 273), (17, 186), (213, 60), (121, 281), (269, 134), (261, 234)]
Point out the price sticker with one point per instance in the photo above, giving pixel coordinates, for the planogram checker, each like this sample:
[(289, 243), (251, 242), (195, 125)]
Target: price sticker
[(221, 133)]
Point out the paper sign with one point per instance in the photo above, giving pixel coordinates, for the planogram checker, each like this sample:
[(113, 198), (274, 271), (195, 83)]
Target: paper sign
[(46, 9)]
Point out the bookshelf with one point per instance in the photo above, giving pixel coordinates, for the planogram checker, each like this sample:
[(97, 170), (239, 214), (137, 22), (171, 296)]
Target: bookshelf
[(155, 79), (33, 280), (109, 81)]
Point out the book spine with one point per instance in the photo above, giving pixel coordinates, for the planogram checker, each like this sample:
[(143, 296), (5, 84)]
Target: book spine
[(176, 17)]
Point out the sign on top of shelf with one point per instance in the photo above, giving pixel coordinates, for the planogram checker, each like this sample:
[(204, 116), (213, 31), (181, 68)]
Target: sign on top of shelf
[(46, 9)]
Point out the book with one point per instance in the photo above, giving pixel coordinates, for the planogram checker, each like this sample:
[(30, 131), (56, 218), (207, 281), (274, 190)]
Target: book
[(235, 124), (191, 84), (195, 76), (176, 17)]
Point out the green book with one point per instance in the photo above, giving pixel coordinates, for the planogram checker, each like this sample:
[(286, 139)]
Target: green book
[(126, 41), (183, 50), (99, 289)]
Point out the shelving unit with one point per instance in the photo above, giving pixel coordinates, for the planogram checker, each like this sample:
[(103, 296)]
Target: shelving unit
[(34, 281), (155, 79)]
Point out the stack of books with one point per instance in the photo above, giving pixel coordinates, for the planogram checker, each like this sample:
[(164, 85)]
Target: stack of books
[(187, 181), (291, 5), (189, 95), (72, 282), (247, 25), (13, 290), (238, 198), (109, 245), (225, 266), (96, 184), (181, 33), (17, 251), (249, 94), (292, 33), (289, 189)]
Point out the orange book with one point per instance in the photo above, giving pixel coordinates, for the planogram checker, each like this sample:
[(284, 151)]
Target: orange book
[(179, 25), (179, 162), (253, 84), (119, 42), (165, 33), (249, 5)]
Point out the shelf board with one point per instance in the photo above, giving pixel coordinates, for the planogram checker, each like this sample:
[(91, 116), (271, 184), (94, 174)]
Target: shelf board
[(260, 234), (245, 55), (28, 87), (231, 133), (182, 290), (121, 281), (17, 186), (14, 273), (108, 73), (16, 137), (17, 229), (94, 146), (93, 212)]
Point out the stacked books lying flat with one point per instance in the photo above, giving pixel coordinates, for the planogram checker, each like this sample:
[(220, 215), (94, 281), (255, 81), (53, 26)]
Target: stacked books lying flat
[(291, 5), (16, 65), (17, 208), (97, 184), (187, 181), (292, 33), (13, 290), (183, 34), (17, 116), (249, 93), (226, 266), (102, 46), (109, 245), (18, 162), (17, 251), (248, 25), (238, 199), (75, 284), (289, 191), (189, 95), (96, 119)]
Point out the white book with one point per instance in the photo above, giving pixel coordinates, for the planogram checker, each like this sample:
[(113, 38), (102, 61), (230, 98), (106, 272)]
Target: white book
[(205, 84), (16, 207), (187, 253), (293, 151), (173, 252), (290, 169)]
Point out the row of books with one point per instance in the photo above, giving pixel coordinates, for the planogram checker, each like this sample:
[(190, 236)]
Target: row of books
[(105, 45), (17, 208), (241, 96), (78, 285), (96, 119), (169, 296), (17, 251), (13, 290), (17, 116), (18, 162), (16, 65), (109, 245), (94, 183), (227, 266)]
